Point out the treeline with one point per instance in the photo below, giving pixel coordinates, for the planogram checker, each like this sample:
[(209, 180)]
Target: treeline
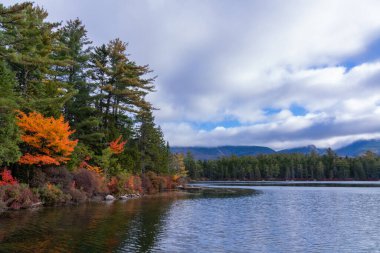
[(54, 69), (286, 167), (67, 103)]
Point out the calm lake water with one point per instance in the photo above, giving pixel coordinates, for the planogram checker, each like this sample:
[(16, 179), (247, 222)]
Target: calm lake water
[(273, 218)]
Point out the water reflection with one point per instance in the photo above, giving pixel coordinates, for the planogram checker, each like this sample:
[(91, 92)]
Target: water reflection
[(96, 227), (276, 219)]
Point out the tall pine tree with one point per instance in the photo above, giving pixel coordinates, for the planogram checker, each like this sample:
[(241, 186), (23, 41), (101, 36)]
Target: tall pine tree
[(9, 136), (30, 48)]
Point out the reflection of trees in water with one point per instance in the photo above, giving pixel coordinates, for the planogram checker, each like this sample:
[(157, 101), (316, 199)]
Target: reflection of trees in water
[(132, 225), (147, 225)]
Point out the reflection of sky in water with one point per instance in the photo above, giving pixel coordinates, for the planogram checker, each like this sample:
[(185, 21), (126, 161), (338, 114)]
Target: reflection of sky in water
[(277, 219), (280, 219)]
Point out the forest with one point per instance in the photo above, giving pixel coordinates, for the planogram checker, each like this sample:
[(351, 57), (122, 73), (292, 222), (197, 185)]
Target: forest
[(286, 167), (74, 119)]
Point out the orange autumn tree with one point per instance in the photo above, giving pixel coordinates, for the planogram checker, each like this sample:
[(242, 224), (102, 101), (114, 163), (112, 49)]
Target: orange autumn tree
[(117, 146), (47, 139)]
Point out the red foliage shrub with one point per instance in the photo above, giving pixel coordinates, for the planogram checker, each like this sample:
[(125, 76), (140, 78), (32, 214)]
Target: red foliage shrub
[(6, 178), (124, 184), (150, 182), (170, 184), (90, 182), (134, 184), (113, 185)]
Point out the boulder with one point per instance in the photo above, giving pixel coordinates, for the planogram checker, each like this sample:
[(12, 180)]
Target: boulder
[(109, 198)]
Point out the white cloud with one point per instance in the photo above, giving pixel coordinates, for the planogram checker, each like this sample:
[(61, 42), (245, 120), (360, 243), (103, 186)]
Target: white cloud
[(221, 59)]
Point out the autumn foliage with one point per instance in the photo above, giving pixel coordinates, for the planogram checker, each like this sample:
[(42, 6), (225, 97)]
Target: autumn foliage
[(87, 166), (47, 139), (7, 178), (117, 146)]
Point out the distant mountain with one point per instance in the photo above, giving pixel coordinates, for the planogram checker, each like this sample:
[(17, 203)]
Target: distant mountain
[(212, 153), (358, 148), (303, 150)]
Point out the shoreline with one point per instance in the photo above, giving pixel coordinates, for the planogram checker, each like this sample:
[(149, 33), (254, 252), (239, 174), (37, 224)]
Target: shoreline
[(99, 199), (180, 192)]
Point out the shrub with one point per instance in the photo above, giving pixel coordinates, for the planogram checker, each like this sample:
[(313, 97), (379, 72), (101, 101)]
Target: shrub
[(39, 178), (59, 176), (77, 196), (134, 184), (113, 185), (129, 183), (90, 182), (170, 184), (7, 178), (124, 183), (51, 194), (17, 196), (163, 182), (150, 182), (3, 205)]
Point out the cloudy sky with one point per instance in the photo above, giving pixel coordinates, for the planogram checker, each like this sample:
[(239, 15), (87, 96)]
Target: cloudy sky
[(274, 73)]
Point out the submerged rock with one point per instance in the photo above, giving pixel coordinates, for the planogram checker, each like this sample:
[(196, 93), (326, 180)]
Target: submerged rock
[(109, 198)]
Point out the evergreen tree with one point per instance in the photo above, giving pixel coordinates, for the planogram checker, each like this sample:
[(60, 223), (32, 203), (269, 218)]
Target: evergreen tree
[(120, 86), (80, 110), (152, 146), (9, 136), (191, 166), (30, 48)]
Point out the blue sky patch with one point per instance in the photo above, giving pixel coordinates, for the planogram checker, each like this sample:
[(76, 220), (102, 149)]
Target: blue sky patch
[(271, 111), (298, 110), (370, 53), (208, 126)]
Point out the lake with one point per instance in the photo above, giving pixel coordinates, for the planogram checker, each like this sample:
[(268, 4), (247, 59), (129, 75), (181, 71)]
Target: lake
[(264, 217)]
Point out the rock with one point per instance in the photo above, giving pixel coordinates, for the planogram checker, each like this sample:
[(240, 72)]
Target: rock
[(109, 198), (36, 204), (123, 198)]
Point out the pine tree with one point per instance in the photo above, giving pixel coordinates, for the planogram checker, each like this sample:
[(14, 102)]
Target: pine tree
[(30, 48), (80, 110), (153, 148), (9, 137), (121, 86)]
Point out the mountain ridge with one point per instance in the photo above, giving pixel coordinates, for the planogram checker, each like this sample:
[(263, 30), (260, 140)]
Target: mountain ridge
[(353, 149)]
